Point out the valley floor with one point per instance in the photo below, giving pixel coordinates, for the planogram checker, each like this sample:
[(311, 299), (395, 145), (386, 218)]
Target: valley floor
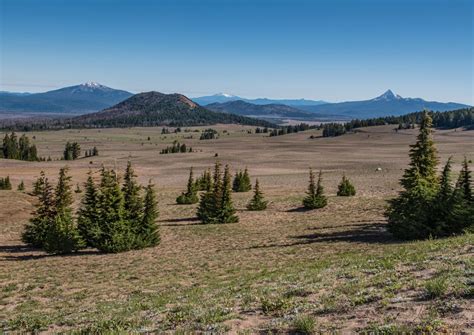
[(280, 270)]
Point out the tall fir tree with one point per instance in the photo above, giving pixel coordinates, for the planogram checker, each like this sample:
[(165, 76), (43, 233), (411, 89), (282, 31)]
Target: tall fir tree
[(423, 157), (62, 236), (116, 234), (315, 197), (148, 234), (409, 215), (190, 195), (209, 205), (257, 203), (133, 202), (35, 231), (464, 183), (88, 214), (39, 184), (226, 212)]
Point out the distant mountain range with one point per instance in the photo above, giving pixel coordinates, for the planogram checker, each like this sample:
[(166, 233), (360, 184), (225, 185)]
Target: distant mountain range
[(158, 109), (386, 104), (223, 97), (92, 97), (79, 99), (241, 107)]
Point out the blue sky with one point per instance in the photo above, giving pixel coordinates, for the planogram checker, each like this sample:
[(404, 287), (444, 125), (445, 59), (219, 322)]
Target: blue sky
[(332, 50)]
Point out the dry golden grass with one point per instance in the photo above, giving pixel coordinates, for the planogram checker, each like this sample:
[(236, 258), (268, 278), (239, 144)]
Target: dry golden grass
[(269, 272)]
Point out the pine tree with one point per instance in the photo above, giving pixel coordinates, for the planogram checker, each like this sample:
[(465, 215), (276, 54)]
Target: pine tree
[(36, 230), (204, 182), (21, 186), (409, 215), (62, 235), (345, 188), (39, 184), (226, 212), (147, 233), (88, 215), (133, 202), (423, 157), (464, 182), (116, 234), (257, 203), (315, 195), (242, 182), (209, 205), (190, 196)]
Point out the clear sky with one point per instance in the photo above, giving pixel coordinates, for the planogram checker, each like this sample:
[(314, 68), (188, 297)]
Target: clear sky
[(331, 50)]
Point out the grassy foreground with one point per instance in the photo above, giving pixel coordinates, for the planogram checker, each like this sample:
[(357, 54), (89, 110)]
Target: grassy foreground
[(305, 271), (280, 270)]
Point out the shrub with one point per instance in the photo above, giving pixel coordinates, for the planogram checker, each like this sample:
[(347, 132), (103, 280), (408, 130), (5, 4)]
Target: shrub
[(345, 188)]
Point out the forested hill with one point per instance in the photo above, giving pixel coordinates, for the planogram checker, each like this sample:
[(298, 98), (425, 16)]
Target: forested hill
[(145, 110), (451, 119)]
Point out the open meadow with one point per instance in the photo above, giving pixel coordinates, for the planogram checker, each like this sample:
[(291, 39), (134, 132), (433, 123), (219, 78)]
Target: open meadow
[(279, 270)]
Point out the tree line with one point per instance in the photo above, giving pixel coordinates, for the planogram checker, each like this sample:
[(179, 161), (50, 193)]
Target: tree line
[(451, 119), (430, 205), (112, 217), (21, 149)]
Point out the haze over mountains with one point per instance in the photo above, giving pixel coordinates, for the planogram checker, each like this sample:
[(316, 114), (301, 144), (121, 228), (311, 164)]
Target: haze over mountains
[(224, 97), (93, 97)]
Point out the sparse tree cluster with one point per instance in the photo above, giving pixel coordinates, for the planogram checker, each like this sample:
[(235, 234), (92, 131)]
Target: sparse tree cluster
[(241, 181), (92, 152), (72, 151), (5, 183), (111, 218), (430, 205), (14, 148), (259, 130), (176, 147), (209, 134)]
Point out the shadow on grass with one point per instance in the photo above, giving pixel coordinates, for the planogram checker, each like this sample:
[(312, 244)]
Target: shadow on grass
[(177, 222), (373, 232), (299, 210), (23, 252)]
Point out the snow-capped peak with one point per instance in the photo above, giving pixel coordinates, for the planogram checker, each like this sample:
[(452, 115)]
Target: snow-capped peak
[(388, 95), (226, 95), (92, 84)]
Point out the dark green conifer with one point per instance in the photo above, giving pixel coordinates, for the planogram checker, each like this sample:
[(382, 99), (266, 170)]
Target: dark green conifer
[(116, 234), (21, 186), (190, 195), (147, 233), (226, 212), (345, 188), (39, 184), (133, 202), (315, 195), (409, 215), (36, 230), (62, 236), (88, 220), (258, 203), (210, 202)]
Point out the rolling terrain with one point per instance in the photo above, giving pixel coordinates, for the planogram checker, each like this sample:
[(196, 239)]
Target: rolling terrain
[(271, 271)]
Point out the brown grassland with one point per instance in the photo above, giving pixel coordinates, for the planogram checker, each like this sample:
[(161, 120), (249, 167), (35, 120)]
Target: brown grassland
[(280, 270)]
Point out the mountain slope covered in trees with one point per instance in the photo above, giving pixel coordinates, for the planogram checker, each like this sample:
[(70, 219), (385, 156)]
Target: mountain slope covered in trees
[(158, 109)]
